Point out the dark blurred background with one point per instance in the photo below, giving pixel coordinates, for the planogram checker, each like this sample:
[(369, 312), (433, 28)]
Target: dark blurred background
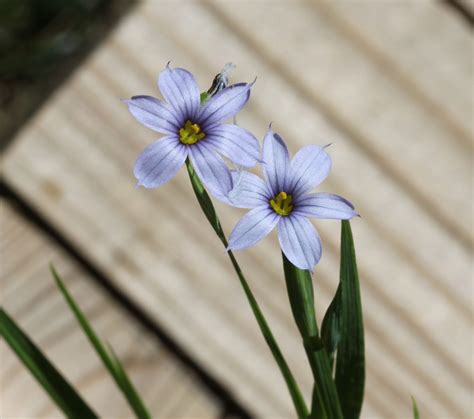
[(41, 42)]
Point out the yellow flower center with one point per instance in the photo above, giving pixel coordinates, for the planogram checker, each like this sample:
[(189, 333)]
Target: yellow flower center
[(190, 133), (282, 203)]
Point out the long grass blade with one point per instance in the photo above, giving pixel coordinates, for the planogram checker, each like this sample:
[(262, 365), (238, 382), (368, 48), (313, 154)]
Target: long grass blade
[(350, 358), (109, 359), (62, 393), (416, 413)]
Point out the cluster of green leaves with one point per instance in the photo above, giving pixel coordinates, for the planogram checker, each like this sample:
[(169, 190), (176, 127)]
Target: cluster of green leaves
[(338, 389), (58, 388), (339, 394)]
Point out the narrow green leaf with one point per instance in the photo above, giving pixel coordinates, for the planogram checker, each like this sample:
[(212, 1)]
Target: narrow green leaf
[(300, 292), (62, 393), (416, 413), (210, 213), (316, 411), (330, 329), (350, 358), (108, 358)]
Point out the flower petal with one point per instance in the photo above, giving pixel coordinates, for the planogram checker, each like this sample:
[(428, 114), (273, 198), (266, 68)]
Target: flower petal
[(178, 86), (224, 104), (249, 190), (325, 205), (153, 113), (252, 228), (276, 162), (159, 162), (211, 169), (309, 167), (299, 241), (235, 143)]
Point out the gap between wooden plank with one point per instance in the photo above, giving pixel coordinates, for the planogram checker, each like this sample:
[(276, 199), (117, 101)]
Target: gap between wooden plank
[(30, 214), (462, 9), (388, 66)]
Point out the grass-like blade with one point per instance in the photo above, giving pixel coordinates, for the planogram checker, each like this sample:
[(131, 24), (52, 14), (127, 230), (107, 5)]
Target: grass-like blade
[(300, 292), (210, 213), (350, 358), (62, 393), (108, 358), (416, 413), (316, 410), (330, 329)]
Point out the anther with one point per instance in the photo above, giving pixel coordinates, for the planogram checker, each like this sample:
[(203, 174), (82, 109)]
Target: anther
[(190, 133)]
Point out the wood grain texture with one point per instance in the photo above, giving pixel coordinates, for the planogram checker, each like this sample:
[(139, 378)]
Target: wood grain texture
[(31, 297), (401, 152)]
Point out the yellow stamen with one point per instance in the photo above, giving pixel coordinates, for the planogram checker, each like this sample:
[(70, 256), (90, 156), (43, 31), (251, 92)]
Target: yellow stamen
[(282, 203), (190, 133)]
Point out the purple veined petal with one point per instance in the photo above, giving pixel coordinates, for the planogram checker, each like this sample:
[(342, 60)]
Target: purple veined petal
[(224, 104), (249, 190), (159, 162), (309, 167), (276, 162), (178, 86), (252, 228), (153, 113), (211, 169), (325, 205), (235, 143), (299, 241)]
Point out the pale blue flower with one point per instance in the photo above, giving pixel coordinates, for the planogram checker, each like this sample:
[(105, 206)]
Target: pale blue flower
[(283, 200), (193, 130)]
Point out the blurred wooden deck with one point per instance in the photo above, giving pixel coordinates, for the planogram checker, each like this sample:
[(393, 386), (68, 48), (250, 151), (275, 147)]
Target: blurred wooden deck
[(34, 302), (388, 83)]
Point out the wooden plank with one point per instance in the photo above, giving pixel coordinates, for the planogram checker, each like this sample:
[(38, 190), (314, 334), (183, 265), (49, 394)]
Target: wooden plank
[(141, 244), (423, 47), (364, 103), (30, 296)]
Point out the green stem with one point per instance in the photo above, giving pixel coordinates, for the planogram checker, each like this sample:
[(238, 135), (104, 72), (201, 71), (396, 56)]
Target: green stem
[(300, 292), (209, 211)]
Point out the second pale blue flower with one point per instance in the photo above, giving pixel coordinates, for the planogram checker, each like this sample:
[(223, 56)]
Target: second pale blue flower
[(284, 200)]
